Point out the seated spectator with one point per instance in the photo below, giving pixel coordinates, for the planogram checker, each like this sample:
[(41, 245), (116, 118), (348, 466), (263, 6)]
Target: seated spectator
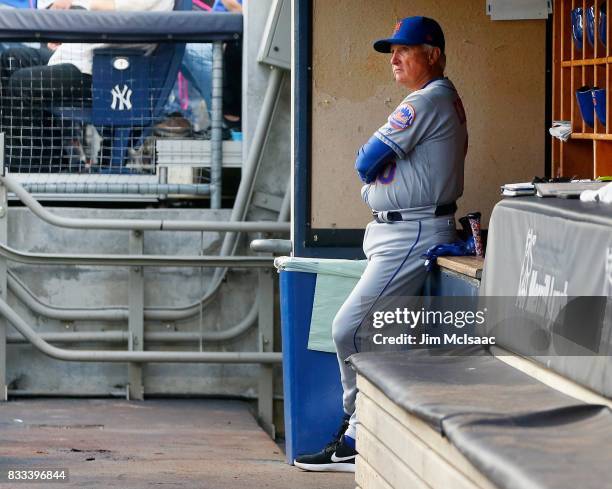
[(197, 70), (232, 71)]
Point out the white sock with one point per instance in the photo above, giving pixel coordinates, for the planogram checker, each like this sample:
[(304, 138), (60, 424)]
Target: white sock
[(351, 431)]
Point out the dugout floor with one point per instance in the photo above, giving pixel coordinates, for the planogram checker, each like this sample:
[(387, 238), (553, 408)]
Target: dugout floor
[(199, 444)]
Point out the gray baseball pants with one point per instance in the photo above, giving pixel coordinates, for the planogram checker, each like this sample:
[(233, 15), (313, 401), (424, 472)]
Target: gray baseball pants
[(385, 246)]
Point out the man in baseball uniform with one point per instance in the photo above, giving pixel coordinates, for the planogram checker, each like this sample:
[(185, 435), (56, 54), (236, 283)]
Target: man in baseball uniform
[(412, 168)]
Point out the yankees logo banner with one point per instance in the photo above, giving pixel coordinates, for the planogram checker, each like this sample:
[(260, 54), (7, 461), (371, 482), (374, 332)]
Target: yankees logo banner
[(122, 98)]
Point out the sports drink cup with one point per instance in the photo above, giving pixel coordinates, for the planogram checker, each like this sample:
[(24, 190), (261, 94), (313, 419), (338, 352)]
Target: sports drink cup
[(474, 218)]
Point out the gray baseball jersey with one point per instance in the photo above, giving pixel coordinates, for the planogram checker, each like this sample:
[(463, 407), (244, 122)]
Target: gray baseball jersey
[(428, 133)]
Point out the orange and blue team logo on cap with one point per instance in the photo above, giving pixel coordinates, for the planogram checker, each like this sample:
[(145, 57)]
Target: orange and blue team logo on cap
[(402, 117), (398, 26)]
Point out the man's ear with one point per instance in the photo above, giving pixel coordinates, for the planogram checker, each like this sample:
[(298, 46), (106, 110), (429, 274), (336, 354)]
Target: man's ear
[(434, 55)]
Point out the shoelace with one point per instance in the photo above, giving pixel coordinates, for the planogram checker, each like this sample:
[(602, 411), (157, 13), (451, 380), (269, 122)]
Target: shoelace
[(332, 445)]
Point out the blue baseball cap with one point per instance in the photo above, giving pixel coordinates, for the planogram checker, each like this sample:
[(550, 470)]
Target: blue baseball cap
[(413, 31)]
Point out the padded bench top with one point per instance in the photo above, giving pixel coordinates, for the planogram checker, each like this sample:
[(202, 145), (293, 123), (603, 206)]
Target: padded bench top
[(437, 386), (518, 432)]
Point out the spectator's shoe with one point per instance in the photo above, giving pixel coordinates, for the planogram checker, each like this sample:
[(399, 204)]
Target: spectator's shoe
[(338, 456), (232, 125)]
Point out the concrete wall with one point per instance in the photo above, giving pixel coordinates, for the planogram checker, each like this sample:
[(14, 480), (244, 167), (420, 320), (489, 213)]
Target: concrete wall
[(104, 287), (498, 68)]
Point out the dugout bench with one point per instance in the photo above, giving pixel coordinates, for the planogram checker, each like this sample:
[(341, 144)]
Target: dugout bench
[(509, 417)]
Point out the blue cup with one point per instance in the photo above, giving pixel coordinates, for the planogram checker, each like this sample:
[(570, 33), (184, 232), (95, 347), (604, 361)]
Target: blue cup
[(585, 102), (590, 24), (599, 102), (577, 29), (602, 24)]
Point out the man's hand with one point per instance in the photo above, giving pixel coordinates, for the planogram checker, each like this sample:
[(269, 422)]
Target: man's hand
[(61, 5), (53, 45)]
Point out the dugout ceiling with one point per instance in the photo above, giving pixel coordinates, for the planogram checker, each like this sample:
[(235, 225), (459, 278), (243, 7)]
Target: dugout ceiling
[(499, 68)]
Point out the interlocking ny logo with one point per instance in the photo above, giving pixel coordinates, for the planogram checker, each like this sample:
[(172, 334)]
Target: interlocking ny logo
[(121, 98)]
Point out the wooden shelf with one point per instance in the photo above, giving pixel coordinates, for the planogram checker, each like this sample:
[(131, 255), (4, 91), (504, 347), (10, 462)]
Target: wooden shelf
[(586, 62), (590, 135), (588, 152)]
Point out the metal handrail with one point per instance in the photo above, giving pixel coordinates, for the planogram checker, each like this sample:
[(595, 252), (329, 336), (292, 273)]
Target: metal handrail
[(119, 313), (40, 308), (276, 246), (152, 337), (135, 260), (116, 313), (239, 211), (136, 224), (149, 260), (133, 356), (117, 188)]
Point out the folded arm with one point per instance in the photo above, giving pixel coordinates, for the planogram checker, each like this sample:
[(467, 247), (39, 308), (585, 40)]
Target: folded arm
[(372, 157)]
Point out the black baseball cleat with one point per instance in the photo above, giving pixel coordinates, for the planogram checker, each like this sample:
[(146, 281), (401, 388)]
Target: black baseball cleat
[(338, 456)]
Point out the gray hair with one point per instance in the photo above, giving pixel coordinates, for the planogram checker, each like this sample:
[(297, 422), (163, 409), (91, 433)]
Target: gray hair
[(441, 60)]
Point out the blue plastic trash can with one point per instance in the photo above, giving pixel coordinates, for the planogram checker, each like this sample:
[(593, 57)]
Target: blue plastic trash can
[(311, 379)]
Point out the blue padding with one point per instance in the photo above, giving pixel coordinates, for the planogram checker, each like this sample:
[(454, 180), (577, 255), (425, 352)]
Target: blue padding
[(17, 3), (311, 379), (371, 158), (121, 96), (83, 25)]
